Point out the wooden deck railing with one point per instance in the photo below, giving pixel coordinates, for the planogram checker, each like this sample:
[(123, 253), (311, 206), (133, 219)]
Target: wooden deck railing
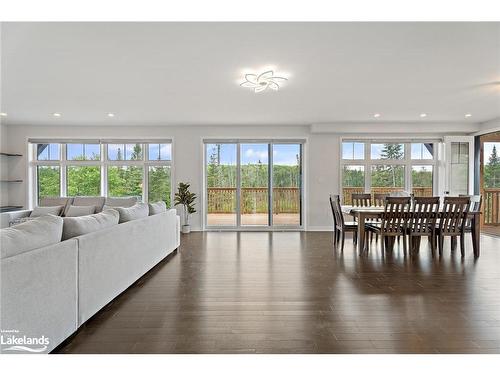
[(253, 200), (491, 206), (417, 191)]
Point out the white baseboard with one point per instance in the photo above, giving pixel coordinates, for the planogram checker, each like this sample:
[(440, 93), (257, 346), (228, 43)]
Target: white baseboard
[(320, 228), (309, 229)]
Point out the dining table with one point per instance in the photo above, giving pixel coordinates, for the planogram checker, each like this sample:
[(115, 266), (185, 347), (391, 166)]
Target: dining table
[(362, 214)]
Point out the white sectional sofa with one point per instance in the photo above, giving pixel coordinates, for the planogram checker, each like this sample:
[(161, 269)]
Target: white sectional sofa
[(47, 293), (6, 218)]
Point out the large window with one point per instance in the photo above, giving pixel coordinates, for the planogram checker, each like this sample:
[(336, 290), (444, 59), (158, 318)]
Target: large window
[(93, 168), (253, 184), (387, 167)]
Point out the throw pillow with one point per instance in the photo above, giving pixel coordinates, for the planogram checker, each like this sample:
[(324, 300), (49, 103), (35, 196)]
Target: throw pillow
[(36, 233), (74, 211), (42, 211), (77, 226), (157, 208), (137, 211)]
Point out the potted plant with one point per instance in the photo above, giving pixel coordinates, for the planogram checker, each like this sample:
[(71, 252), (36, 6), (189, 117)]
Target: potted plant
[(185, 198)]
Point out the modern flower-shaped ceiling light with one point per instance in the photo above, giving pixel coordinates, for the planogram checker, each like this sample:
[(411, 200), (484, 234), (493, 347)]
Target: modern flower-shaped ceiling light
[(263, 81)]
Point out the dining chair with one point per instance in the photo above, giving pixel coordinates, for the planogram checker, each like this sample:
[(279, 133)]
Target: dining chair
[(452, 221), (361, 199), (399, 194), (379, 199), (342, 226), (422, 222), (476, 202), (393, 221), (332, 206)]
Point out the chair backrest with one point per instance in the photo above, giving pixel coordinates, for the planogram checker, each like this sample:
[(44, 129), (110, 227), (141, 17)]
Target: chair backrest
[(337, 211), (395, 214), (332, 206), (454, 215), (361, 200), (400, 194), (476, 201), (423, 214), (379, 199)]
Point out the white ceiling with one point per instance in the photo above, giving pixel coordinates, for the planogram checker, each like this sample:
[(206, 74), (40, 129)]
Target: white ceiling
[(187, 73)]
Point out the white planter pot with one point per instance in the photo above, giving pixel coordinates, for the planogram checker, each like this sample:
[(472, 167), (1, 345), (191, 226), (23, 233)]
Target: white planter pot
[(186, 229)]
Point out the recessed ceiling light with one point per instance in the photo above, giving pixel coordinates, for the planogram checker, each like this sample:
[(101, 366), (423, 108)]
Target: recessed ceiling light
[(468, 115), (423, 115), (263, 81), (56, 114), (111, 115), (377, 115), (3, 114)]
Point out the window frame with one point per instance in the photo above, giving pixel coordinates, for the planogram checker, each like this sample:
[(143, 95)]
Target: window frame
[(407, 161), (103, 163)]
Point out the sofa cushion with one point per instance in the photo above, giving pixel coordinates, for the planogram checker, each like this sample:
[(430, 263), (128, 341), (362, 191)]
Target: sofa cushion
[(55, 201), (39, 232), (120, 202), (157, 208), (51, 210), (97, 202), (77, 226), (74, 211), (137, 211)]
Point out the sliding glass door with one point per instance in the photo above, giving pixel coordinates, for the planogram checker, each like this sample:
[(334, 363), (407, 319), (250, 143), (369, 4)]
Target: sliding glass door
[(253, 184), (221, 183), (287, 192)]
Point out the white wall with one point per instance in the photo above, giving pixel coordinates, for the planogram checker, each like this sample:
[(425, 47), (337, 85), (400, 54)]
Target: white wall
[(321, 155)]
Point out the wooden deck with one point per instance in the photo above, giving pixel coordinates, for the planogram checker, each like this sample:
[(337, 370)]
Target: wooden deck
[(253, 219)]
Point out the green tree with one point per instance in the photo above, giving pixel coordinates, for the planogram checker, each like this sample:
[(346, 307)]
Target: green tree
[(136, 152), (492, 170), (125, 181), (84, 181), (389, 175), (159, 184), (392, 151), (48, 182)]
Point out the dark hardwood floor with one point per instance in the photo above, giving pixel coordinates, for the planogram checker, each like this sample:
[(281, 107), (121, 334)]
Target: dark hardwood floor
[(291, 292)]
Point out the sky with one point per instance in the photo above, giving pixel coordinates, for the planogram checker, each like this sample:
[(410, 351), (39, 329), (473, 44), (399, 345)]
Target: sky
[(251, 153)]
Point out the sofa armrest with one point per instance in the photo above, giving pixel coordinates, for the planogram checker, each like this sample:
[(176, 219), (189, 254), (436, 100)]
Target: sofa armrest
[(7, 217)]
